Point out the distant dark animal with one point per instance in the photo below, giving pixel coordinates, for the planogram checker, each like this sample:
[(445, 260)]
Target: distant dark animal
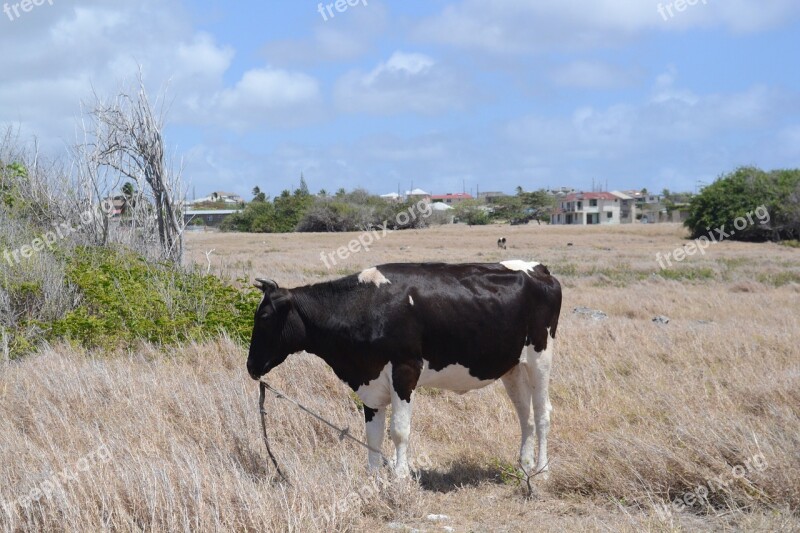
[(501, 243), (396, 327)]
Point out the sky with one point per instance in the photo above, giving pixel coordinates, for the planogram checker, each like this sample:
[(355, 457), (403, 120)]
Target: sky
[(448, 96)]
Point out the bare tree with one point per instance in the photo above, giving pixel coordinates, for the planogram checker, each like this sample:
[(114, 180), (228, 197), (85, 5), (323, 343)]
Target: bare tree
[(126, 136)]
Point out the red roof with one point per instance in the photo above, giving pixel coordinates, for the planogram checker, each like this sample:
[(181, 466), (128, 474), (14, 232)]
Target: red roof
[(590, 196), (456, 196)]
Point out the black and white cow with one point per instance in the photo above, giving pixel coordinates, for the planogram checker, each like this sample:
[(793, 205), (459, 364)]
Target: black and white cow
[(396, 327)]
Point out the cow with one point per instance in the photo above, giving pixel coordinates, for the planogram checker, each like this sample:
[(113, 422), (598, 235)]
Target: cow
[(392, 328)]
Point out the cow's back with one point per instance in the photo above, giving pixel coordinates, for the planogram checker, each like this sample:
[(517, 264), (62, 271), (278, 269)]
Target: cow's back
[(477, 315)]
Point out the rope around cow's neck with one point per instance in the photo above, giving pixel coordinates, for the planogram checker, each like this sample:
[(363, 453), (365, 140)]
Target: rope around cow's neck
[(343, 432)]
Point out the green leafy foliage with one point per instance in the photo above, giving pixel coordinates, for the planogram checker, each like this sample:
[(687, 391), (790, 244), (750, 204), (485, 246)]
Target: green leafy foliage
[(125, 298), (743, 191), (522, 207), (279, 216), (11, 176), (304, 212), (472, 213)]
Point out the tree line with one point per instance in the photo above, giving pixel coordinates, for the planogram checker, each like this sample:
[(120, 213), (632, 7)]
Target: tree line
[(358, 210)]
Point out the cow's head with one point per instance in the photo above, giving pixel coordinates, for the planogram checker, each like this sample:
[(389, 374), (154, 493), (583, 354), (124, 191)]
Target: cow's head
[(278, 330)]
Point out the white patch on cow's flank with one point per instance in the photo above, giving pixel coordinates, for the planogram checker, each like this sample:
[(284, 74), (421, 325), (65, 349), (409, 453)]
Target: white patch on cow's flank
[(372, 275), (452, 377), (410, 300), (519, 265), (378, 392)]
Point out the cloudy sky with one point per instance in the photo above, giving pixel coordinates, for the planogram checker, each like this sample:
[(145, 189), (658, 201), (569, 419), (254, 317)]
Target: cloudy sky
[(443, 94)]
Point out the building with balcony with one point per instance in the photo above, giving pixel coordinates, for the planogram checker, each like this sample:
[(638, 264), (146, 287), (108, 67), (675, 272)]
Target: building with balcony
[(584, 208)]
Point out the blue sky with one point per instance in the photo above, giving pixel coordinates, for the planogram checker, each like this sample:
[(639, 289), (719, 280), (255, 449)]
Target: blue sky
[(441, 94)]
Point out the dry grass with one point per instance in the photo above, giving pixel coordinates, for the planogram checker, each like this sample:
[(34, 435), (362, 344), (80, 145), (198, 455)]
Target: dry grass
[(643, 412)]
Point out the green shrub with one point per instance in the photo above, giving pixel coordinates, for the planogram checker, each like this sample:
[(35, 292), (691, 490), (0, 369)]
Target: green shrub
[(743, 191), (282, 215), (124, 298), (472, 212)]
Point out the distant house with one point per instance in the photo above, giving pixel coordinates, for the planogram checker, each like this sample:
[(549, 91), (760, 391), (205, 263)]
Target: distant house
[(451, 198), (661, 213), (440, 206), (585, 208), (228, 198), (416, 195), (491, 196), (642, 198), (627, 207), (207, 217), (392, 197), (561, 191), (115, 206)]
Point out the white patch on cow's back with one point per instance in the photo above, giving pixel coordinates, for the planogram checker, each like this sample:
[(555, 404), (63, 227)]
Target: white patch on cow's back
[(453, 377), (410, 300), (518, 264), (372, 275)]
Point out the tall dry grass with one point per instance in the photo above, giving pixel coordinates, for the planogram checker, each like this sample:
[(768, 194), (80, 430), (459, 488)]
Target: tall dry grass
[(643, 412)]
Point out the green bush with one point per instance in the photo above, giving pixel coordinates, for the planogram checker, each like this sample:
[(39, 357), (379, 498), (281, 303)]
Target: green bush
[(282, 215), (124, 298), (743, 191), (472, 212)]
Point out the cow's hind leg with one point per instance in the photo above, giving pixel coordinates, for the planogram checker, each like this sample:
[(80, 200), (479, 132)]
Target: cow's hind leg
[(518, 388), (539, 366), (376, 425), (404, 381)]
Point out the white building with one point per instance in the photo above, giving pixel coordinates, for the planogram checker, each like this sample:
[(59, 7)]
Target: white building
[(588, 208), (219, 196)]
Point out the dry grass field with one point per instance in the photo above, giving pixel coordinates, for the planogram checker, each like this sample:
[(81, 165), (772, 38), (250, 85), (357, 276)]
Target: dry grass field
[(644, 413)]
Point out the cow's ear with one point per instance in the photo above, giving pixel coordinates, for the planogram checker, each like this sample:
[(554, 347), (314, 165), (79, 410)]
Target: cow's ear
[(265, 285), (277, 303), (280, 301)]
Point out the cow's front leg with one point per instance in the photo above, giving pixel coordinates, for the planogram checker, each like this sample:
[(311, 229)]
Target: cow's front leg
[(404, 381), (376, 425)]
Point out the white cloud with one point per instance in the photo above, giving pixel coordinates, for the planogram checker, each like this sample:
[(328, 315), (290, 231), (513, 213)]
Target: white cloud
[(524, 26), (202, 57), (266, 96), (65, 53), (406, 82)]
